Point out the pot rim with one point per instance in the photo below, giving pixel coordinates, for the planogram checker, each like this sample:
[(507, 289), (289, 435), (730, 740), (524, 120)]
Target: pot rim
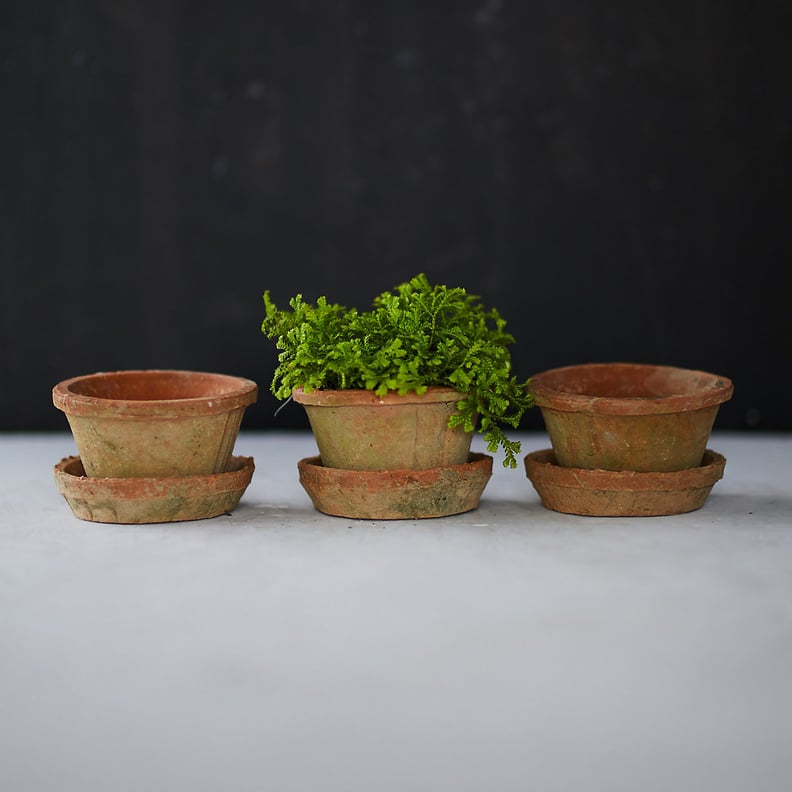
[(239, 392), (355, 397), (711, 391)]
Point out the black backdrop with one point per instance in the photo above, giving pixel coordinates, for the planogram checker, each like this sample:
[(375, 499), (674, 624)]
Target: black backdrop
[(613, 177)]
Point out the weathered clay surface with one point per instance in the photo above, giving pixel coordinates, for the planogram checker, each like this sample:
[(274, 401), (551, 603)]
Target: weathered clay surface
[(624, 416), (358, 430), (152, 500), (608, 493), (154, 424), (396, 494)]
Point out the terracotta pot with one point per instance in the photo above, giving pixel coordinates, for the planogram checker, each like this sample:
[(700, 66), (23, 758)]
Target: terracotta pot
[(358, 430), (626, 416), (154, 424), (396, 494), (622, 493)]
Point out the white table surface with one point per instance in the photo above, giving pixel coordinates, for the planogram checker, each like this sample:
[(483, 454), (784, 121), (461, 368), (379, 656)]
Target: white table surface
[(510, 648)]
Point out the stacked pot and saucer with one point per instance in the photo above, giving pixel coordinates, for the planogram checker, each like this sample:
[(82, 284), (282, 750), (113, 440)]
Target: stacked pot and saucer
[(153, 445), (627, 439), (390, 457)]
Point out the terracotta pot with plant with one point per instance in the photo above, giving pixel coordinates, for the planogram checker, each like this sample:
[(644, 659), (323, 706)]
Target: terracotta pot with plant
[(394, 394)]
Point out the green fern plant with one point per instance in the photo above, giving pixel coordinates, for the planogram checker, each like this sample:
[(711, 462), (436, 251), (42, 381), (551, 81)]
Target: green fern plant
[(415, 336)]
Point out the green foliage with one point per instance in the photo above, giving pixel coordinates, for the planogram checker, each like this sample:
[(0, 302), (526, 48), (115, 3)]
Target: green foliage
[(413, 337)]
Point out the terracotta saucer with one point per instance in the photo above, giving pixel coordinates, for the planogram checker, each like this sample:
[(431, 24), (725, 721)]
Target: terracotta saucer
[(152, 500), (608, 493), (396, 494)]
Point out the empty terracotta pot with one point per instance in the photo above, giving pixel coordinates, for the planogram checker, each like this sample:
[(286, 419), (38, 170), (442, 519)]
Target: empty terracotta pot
[(629, 416), (154, 423), (358, 430)]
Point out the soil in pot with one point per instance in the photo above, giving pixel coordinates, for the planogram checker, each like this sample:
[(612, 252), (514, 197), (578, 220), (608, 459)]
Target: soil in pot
[(626, 416)]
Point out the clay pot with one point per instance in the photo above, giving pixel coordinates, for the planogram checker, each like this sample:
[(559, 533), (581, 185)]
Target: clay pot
[(396, 494), (358, 430), (390, 457), (617, 493), (154, 424), (626, 416)]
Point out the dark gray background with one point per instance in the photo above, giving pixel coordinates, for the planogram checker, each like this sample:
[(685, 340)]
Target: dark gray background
[(613, 177)]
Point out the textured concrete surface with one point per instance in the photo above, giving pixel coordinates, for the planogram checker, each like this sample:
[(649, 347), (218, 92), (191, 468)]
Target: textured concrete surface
[(510, 648)]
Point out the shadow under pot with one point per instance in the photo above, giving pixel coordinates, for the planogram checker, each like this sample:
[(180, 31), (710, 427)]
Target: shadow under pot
[(137, 424), (629, 416)]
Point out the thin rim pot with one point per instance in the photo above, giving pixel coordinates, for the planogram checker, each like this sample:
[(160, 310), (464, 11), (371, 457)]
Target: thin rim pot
[(358, 430), (154, 423), (629, 416)]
